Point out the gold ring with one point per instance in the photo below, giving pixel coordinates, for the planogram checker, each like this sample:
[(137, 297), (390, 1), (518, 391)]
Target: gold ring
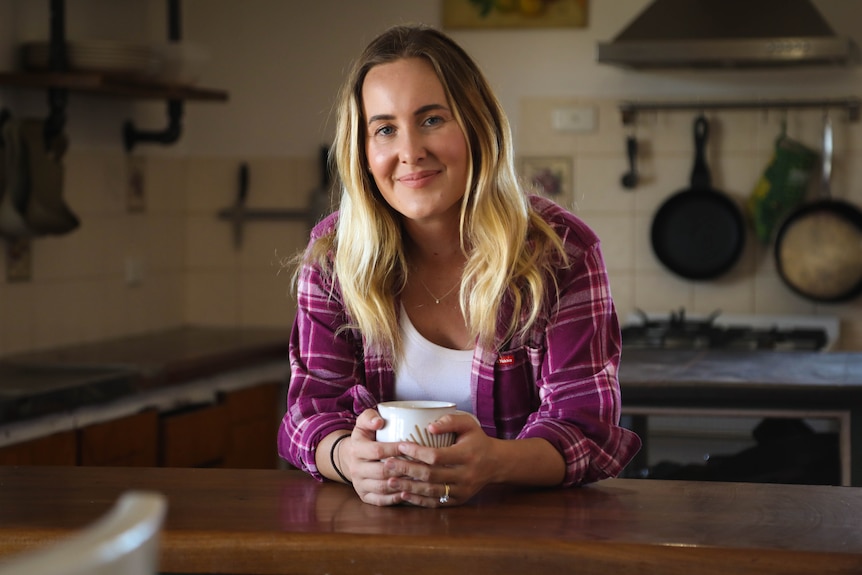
[(445, 499)]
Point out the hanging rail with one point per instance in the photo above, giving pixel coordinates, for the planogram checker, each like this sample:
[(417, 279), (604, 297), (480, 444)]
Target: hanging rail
[(629, 110)]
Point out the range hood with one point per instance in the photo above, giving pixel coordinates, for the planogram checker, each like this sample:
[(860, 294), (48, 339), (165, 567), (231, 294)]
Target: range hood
[(727, 34)]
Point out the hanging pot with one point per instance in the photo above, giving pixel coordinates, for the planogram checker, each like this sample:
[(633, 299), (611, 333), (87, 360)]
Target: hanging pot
[(818, 249), (699, 232)]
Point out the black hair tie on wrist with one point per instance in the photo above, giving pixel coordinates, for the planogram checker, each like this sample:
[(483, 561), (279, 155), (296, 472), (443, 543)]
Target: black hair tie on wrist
[(332, 458)]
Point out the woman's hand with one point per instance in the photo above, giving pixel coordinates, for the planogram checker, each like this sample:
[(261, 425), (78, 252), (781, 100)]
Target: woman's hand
[(465, 467), (361, 459)]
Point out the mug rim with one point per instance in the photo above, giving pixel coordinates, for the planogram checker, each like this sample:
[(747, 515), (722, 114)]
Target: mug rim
[(416, 404)]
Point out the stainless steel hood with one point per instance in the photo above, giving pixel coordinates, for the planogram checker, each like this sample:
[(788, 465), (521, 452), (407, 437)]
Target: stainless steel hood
[(727, 34)]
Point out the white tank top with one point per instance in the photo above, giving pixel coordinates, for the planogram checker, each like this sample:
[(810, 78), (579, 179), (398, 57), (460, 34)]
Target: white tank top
[(431, 371)]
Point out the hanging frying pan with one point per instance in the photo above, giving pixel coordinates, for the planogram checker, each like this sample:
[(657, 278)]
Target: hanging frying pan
[(818, 249), (698, 233)]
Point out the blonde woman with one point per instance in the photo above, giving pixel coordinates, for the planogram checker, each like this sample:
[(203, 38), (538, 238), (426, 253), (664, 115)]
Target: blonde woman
[(439, 278)]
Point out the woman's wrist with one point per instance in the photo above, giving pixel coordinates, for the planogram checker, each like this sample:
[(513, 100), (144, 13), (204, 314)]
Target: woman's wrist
[(335, 459)]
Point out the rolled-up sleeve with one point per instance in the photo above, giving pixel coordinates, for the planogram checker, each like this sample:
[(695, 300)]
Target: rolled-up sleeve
[(576, 368), (326, 390)]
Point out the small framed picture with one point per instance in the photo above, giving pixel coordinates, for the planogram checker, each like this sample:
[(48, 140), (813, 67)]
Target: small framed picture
[(515, 13), (548, 176)]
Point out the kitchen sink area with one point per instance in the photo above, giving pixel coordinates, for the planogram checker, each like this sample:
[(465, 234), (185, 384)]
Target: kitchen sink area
[(142, 400), (32, 390)]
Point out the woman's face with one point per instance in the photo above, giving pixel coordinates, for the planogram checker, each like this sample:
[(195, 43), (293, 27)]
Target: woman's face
[(416, 150)]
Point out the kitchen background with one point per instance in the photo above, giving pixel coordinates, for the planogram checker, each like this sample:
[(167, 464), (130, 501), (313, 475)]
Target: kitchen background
[(174, 262)]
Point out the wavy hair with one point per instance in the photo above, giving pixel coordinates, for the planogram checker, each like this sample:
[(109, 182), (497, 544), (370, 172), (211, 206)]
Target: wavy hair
[(510, 250)]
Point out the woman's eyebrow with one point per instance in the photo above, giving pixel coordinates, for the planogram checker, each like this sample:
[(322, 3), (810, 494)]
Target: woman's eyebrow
[(419, 111)]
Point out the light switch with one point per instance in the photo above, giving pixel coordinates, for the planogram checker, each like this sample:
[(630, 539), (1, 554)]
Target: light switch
[(574, 119), (19, 261)]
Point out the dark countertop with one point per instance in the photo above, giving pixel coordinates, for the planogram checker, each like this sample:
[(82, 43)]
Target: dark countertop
[(772, 377), (48, 381)]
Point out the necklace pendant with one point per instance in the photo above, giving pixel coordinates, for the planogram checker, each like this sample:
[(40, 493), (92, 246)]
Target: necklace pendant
[(437, 301)]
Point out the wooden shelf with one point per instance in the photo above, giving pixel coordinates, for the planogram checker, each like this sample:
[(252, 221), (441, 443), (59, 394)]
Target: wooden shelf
[(110, 85)]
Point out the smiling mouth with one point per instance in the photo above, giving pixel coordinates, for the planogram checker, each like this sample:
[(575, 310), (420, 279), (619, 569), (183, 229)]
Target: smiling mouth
[(418, 179)]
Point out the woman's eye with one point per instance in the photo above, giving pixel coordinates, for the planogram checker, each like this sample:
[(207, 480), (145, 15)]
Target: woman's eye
[(433, 120), (384, 131)]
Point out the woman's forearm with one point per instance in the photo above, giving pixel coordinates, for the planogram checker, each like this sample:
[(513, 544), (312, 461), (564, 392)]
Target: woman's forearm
[(532, 461)]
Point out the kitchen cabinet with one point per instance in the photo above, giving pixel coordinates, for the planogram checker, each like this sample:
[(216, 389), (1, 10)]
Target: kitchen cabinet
[(253, 416), (55, 449), (184, 397), (124, 442), (194, 437), (237, 431)]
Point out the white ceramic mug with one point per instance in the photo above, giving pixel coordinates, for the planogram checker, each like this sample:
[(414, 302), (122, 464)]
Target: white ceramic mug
[(409, 420)]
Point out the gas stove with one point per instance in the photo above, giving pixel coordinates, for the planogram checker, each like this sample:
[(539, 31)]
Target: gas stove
[(676, 330)]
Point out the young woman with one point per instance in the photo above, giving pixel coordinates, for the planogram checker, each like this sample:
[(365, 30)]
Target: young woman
[(439, 278)]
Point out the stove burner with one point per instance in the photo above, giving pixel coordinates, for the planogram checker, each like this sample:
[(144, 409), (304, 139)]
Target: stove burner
[(678, 332)]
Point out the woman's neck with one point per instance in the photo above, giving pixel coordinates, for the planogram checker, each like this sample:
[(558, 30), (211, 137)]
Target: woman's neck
[(434, 245)]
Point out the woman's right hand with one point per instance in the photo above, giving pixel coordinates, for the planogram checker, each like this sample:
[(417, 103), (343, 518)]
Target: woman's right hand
[(361, 457)]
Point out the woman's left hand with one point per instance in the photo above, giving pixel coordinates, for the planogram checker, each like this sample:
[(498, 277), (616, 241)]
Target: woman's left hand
[(444, 476)]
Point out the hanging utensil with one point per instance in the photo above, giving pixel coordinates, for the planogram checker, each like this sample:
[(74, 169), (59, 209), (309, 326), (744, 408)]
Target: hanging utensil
[(629, 180), (239, 204)]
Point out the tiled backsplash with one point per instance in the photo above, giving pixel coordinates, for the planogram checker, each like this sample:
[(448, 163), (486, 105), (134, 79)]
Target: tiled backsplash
[(738, 149), (193, 274)]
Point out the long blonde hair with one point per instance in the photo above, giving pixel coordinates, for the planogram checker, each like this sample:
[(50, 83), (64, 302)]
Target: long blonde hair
[(510, 250)]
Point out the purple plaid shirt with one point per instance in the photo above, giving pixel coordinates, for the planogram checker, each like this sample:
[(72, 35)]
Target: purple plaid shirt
[(558, 382)]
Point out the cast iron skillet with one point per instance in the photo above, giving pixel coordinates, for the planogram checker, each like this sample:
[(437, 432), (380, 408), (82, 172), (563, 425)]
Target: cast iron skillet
[(818, 249), (698, 233)]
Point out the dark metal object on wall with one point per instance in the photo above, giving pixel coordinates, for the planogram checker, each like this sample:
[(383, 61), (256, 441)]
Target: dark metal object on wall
[(699, 233), (318, 203), (727, 34), (174, 108)]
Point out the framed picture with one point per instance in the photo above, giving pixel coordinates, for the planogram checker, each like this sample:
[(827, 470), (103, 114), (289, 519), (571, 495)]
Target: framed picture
[(548, 176), (515, 13)]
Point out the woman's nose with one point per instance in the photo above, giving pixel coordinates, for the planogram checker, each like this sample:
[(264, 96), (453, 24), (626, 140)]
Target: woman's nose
[(412, 147)]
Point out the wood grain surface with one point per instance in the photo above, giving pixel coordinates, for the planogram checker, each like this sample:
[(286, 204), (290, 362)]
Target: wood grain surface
[(271, 521)]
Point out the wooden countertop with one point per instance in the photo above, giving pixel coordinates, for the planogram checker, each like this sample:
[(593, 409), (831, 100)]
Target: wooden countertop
[(268, 521), (44, 382)]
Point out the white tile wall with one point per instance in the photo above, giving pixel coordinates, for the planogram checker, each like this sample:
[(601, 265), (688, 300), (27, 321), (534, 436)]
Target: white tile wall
[(191, 271), (194, 274), (739, 147)]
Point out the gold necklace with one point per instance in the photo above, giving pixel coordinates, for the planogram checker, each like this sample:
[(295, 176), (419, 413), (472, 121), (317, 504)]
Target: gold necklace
[(442, 297)]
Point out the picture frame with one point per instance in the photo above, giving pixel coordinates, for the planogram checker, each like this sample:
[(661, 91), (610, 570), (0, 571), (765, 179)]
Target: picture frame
[(549, 176), (515, 13)]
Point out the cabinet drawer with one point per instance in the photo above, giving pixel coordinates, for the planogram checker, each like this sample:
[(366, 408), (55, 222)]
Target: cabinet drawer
[(127, 441), (194, 438), (254, 418), (55, 449)]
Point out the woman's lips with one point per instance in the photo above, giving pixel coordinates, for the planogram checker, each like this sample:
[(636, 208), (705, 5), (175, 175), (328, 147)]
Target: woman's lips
[(418, 179)]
